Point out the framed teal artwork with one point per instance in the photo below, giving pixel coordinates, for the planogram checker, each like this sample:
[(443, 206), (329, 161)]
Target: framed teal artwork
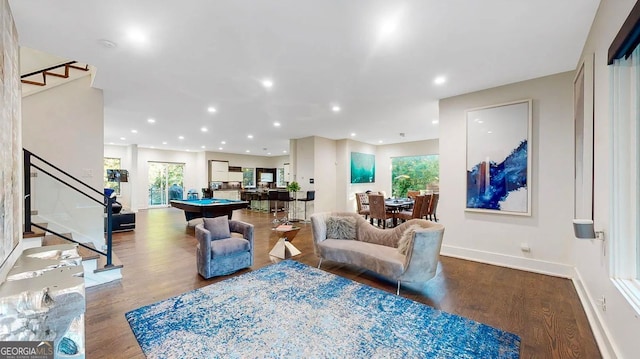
[(363, 168)]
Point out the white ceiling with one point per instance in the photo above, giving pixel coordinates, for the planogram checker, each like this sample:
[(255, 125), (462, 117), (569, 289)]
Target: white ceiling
[(201, 53)]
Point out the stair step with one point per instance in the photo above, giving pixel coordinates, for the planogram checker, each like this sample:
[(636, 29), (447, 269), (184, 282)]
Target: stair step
[(102, 262), (86, 254), (37, 232)]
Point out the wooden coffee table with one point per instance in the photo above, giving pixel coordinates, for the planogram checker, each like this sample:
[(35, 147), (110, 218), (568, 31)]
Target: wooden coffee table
[(284, 249)]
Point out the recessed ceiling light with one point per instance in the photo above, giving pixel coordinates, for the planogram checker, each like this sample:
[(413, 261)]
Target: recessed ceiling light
[(489, 131), (220, 148), (439, 80), (267, 83), (353, 134), (151, 120), (134, 131), (435, 122), (203, 146), (223, 142), (151, 147), (188, 150), (137, 35), (277, 124), (249, 136), (380, 141), (211, 109), (387, 28), (111, 143), (247, 151), (181, 137), (122, 138), (164, 142), (336, 108), (204, 129), (285, 151), (268, 153)]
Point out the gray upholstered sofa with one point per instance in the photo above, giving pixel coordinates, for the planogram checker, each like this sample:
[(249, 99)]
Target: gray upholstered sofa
[(224, 246), (377, 249)]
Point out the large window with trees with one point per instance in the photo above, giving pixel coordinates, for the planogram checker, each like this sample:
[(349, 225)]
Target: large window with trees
[(414, 173), (248, 177)]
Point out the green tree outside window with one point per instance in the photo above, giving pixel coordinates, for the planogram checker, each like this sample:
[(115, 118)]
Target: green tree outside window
[(413, 173)]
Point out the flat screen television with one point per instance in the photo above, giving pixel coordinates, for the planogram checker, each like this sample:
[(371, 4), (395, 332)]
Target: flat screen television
[(266, 177), (117, 175)]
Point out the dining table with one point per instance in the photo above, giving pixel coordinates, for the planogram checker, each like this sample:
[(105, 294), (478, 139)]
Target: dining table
[(396, 205)]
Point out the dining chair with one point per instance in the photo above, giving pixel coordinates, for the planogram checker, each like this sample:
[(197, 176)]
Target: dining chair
[(362, 200), (378, 210), (426, 203), (433, 205), (413, 194), (415, 213)]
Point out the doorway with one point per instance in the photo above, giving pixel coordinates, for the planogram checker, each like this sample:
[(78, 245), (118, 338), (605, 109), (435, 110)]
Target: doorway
[(165, 183)]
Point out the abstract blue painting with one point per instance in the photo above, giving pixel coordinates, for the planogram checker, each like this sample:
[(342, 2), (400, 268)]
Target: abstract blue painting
[(498, 160), (363, 168)]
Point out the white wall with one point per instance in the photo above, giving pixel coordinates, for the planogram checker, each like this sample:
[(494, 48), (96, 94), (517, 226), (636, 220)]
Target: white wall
[(324, 176), (497, 238), (617, 327), (65, 125)]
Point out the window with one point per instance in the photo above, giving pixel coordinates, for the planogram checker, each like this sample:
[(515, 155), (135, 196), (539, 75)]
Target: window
[(280, 182), (248, 177), (111, 163), (414, 173), (624, 58)]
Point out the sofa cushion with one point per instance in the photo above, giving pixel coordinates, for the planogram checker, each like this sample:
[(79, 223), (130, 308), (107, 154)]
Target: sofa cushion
[(341, 227), (407, 238), (380, 259), (218, 227), (228, 246)]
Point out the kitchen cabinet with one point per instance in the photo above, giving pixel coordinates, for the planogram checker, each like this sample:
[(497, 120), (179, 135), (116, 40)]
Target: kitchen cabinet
[(219, 171)]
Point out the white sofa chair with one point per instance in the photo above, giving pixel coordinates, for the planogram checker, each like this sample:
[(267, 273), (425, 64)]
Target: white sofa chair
[(377, 249)]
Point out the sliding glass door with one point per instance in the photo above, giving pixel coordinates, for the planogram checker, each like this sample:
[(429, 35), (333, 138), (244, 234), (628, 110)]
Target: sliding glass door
[(165, 182)]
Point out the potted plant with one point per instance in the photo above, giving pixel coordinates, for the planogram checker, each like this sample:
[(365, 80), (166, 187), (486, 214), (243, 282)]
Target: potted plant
[(293, 187)]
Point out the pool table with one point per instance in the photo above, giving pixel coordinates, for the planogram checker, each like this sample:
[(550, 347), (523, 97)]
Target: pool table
[(209, 207)]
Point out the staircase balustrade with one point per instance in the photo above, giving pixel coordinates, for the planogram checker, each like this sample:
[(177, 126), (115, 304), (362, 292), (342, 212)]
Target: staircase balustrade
[(76, 190)]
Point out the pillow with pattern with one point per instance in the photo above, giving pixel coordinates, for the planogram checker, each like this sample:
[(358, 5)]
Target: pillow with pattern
[(341, 228)]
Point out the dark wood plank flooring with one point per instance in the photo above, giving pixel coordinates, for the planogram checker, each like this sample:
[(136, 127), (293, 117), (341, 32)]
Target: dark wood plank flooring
[(159, 262)]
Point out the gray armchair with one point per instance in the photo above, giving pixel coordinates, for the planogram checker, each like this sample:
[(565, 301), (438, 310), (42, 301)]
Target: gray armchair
[(224, 246)]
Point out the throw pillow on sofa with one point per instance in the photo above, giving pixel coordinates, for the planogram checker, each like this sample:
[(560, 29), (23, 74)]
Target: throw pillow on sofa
[(341, 227), (407, 238), (218, 227)]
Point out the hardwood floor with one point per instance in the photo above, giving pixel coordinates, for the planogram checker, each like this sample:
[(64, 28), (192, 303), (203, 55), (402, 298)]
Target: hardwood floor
[(159, 262)]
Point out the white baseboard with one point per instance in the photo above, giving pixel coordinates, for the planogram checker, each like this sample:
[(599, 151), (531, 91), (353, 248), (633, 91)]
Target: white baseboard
[(503, 260), (600, 332)]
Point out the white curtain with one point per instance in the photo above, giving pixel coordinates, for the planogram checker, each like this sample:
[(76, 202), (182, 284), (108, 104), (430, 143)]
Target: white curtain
[(625, 175)]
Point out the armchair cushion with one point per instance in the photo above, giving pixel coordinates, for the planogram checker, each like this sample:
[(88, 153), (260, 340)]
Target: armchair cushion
[(228, 246), (218, 227), (341, 227)]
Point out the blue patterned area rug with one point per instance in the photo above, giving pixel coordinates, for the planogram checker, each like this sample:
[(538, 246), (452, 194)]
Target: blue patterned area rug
[(291, 310)]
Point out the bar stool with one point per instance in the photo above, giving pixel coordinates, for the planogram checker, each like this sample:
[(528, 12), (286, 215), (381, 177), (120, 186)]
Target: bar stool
[(273, 197), (311, 195), (283, 196)]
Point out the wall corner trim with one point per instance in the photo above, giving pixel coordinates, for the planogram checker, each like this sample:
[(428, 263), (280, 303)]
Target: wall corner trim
[(600, 331)]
